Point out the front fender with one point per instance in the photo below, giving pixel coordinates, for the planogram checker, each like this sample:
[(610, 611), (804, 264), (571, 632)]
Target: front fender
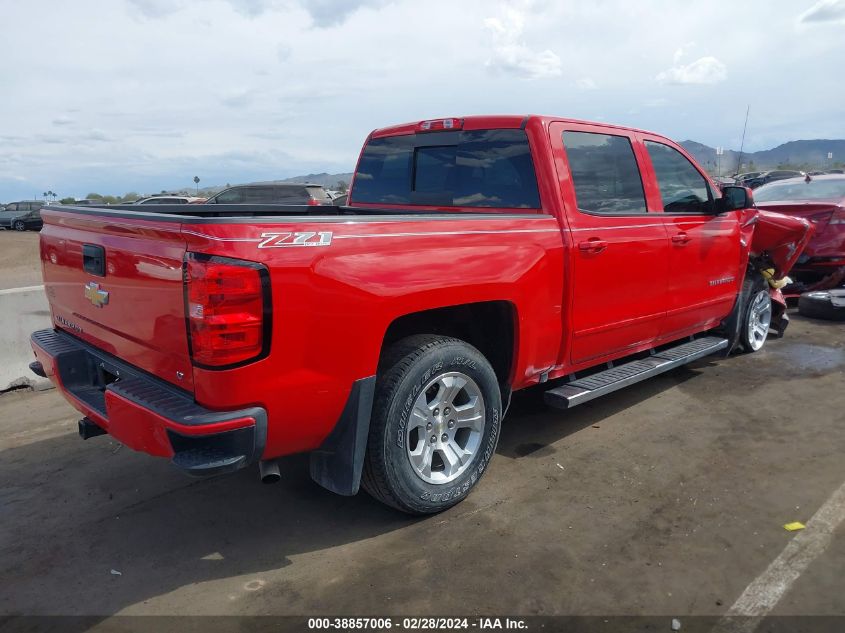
[(780, 237)]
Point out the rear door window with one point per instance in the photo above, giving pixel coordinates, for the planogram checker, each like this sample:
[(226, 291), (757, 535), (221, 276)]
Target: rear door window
[(682, 187), (478, 168), (604, 173)]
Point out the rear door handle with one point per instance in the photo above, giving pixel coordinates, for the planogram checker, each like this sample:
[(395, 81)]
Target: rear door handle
[(681, 238), (593, 245)]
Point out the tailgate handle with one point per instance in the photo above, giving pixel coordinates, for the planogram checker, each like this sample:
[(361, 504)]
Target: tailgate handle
[(94, 259)]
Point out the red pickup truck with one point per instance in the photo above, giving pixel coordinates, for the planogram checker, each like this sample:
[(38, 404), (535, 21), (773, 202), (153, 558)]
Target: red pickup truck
[(475, 257)]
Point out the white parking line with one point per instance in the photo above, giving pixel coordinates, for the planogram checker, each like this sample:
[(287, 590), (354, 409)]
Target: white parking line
[(761, 596), (9, 291)]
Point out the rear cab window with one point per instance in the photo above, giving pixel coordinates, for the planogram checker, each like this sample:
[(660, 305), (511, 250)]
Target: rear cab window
[(471, 168)]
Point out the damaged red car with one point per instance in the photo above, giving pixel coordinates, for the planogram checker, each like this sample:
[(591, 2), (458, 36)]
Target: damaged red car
[(821, 200)]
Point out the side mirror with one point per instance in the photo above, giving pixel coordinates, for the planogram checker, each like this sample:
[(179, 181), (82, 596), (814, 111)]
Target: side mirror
[(734, 198)]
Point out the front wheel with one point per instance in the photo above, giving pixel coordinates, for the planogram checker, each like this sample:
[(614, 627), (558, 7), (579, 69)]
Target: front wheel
[(435, 425), (19, 225), (757, 318)]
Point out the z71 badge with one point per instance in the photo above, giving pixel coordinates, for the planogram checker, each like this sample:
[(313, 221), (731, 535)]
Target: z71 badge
[(305, 238)]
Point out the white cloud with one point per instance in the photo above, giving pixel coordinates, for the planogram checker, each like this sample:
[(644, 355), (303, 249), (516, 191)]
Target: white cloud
[(155, 9), (512, 55), (326, 13), (323, 13), (95, 135), (683, 50), (705, 70), (825, 11), (586, 83)]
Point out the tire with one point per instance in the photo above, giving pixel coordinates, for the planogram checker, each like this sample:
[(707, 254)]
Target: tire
[(756, 317), (819, 305), (19, 225), (419, 458)]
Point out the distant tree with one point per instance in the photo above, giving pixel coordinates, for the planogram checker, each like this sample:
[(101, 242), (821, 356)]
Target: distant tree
[(67, 200), (94, 196), (130, 196), (342, 185), (110, 199)]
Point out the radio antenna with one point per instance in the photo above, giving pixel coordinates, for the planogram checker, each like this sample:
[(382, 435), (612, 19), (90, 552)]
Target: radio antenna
[(742, 144)]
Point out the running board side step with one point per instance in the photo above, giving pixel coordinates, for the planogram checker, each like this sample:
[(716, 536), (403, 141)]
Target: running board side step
[(586, 389)]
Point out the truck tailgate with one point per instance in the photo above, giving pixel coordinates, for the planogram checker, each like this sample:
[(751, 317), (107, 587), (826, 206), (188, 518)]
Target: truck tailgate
[(117, 284)]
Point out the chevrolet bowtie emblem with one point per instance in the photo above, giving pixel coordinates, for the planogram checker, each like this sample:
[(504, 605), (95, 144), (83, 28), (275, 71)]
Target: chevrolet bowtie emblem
[(95, 295)]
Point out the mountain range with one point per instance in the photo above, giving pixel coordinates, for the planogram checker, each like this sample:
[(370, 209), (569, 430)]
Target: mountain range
[(807, 154)]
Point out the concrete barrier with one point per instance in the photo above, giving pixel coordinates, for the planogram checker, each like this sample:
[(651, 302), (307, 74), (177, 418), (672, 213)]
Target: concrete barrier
[(22, 311)]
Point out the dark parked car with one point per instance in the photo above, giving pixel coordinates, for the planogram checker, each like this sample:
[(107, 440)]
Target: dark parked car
[(22, 215), (272, 194), (742, 178), (770, 176)]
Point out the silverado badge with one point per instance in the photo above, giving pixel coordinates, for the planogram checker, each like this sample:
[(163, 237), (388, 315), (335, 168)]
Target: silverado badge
[(95, 295)]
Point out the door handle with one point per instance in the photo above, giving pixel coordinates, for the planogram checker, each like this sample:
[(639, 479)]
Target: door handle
[(681, 238), (592, 245)]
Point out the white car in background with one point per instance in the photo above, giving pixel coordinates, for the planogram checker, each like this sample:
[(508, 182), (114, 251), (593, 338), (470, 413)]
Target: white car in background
[(170, 200)]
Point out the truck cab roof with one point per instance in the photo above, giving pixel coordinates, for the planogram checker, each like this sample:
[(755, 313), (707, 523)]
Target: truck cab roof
[(492, 121)]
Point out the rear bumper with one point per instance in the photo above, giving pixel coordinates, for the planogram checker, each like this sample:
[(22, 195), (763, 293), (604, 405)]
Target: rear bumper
[(147, 414)]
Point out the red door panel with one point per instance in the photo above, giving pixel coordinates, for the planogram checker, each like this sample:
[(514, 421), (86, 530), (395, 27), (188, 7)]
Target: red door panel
[(704, 247), (618, 251)]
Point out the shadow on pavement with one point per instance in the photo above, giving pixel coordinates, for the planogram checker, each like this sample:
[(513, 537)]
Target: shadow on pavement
[(76, 511)]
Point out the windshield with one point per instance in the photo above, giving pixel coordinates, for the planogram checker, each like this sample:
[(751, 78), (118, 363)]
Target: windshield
[(813, 190)]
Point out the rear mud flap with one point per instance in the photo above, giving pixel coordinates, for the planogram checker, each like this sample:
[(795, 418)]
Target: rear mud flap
[(338, 463)]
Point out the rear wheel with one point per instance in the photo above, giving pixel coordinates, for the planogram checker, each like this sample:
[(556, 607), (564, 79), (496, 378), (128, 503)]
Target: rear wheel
[(435, 424), (19, 225), (757, 318)]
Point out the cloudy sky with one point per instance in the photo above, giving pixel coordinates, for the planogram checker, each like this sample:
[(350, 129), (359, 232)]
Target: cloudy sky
[(122, 95)]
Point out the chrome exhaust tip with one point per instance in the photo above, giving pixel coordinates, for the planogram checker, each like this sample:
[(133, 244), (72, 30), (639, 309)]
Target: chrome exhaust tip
[(269, 471)]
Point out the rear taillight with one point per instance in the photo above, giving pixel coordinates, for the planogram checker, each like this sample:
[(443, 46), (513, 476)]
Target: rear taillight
[(227, 303), (312, 202)]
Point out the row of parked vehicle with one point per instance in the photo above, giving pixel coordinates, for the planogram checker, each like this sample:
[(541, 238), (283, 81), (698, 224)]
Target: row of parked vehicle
[(754, 179), (25, 215)]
